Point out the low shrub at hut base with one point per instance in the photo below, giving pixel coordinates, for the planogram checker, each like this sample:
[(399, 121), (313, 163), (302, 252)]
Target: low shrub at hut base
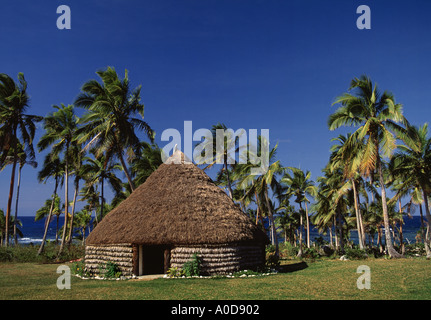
[(175, 272), (110, 270), (78, 268), (192, 267)]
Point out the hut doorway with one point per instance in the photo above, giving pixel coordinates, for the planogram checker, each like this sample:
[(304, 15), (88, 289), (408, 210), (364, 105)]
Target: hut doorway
[(153, 259)]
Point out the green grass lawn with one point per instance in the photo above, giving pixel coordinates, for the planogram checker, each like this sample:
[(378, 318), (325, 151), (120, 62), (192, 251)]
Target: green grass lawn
[(322, 279)]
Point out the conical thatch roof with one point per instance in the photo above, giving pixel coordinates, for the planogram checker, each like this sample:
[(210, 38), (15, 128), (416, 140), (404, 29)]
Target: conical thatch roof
[(177, 204)]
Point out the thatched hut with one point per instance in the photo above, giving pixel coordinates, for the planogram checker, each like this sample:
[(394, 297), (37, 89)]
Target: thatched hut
[(178, 211)]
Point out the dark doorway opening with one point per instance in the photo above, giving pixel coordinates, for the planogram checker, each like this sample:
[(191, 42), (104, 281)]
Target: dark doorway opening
[(154, 259)]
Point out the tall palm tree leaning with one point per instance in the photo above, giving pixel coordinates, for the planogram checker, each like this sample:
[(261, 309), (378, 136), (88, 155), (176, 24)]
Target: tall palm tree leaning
[(378, 118), (14, 101), (61, 127), (76, 163), (110, 123), (52, 167)]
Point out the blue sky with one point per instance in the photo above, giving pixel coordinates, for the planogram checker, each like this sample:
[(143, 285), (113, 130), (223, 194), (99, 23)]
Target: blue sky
[(274, 65)]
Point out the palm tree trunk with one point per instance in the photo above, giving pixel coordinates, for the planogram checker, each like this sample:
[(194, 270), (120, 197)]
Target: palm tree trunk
[(126, 171), (422, 223), (42, 245), (403, 250), (56, 229), (12, 183), (358, 223), (66, 202), (299, 255), (69, 237), (401, 228), (258, 214), (340, 229), (379, 238), (427, 234), (271, 232), (361, 223), (102, 200), (15, 237), (336, 232), (308, 225), (229, 184), (271, 218), (331, 242), (389, 246)]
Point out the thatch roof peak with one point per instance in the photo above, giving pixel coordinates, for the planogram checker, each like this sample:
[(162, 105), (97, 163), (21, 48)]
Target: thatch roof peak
[(178, 204)]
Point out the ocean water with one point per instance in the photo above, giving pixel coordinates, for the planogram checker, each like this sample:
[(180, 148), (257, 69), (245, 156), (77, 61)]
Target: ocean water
[(33, 230), (411, 227)]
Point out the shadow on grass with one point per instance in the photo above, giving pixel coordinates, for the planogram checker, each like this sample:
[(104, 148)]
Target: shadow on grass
[(287, 268)]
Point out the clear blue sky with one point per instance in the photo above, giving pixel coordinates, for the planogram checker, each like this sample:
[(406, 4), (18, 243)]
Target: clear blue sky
[(274, 65)]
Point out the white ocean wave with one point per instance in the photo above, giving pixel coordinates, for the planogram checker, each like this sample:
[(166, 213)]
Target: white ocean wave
[(27, 240)]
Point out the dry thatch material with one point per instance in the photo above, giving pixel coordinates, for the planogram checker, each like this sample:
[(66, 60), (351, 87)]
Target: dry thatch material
[(178, 204), (120, 254), (222, 259)]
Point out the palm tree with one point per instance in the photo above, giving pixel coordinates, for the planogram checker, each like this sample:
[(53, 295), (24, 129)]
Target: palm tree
[(83, 219), (13, 105), (52, 167), (323, 217), (51, 207), (76, 163), (146, 162), (3, 235), (412, 165), (377, 115), (331, 202), (61, 130), (245, 195), (288, 221), (346, 155), (97, 171), (90, 194), (301, 186), (222, 137), (23, 160), (263, 181), (110, 122)]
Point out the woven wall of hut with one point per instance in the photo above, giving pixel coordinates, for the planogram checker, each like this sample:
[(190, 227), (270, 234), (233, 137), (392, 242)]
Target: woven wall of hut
[(120, 254), (220, 259)]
